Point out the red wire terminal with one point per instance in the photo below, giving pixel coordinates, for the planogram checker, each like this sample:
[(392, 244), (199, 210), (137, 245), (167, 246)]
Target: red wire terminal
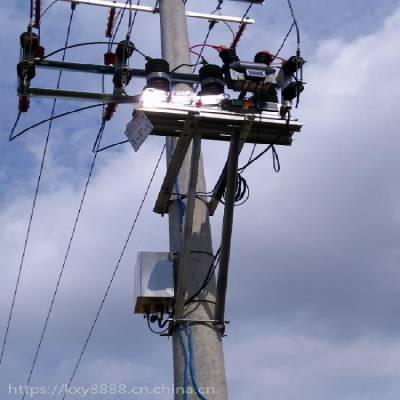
[(110, 22), (109, 58), (38, 11), (109, 111), (39, 52), (23, 103)]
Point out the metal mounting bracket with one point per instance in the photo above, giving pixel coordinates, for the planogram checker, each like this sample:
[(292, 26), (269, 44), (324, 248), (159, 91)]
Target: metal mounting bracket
[(175, 164), (152, 10), (220, 186)]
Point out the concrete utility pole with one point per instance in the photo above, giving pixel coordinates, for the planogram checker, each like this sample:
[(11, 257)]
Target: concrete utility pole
[(208, 351)]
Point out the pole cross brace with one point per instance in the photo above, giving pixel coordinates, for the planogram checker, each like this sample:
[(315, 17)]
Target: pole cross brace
[(175, 164), (220, 186)]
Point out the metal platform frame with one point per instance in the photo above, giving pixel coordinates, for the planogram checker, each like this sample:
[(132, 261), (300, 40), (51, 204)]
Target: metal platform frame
[(190, 124)]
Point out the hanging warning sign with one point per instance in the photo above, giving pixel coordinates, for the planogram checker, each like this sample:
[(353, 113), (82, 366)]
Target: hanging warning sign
[(138, 129)]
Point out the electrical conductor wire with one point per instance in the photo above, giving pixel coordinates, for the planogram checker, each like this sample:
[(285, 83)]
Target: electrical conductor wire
[(27, 235), (116, 268), (66, 255)]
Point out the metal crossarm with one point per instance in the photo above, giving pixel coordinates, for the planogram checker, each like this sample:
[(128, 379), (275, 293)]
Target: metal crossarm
[(81, 96), (182, 146), (152, 10)]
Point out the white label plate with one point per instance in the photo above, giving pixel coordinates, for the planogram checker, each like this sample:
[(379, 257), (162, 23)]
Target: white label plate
[(138, 130)]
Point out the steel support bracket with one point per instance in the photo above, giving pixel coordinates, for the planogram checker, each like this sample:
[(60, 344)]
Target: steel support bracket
[(219, 188), (182, 146)]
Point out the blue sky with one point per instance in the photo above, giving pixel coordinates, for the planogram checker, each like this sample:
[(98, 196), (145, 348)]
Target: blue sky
[(314, 284)]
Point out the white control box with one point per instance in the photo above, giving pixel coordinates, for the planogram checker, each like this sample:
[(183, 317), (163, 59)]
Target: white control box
[(154, 282)]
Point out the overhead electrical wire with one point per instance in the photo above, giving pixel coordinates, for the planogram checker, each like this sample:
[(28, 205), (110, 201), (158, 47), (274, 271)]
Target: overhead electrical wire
[(27, 235), (83, 44), (48, 8), (66, 255), (114, 273), (210, 28), (285, 39), (133, 19), (295, 23), (12, 137)]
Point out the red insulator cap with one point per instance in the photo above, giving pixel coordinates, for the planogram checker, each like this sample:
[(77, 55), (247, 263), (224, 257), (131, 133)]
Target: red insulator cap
[(23, 104), (39, 52), (109, 58), (109, 111)]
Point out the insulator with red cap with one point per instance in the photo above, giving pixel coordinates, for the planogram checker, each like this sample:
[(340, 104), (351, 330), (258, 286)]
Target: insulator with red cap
[(39, 52), (110, 22), (23, 104), (38, 12), (109, 58), (109, 111)]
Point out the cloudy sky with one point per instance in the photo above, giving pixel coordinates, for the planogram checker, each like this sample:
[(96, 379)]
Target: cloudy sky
[(314, 288)]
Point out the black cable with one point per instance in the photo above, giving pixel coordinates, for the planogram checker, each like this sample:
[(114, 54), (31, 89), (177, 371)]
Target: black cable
[(134, 19), (31, 11), (285, 129), (15, 125), (66, 255), (111, 145), (27, 235), (120, 15), (48, 8), (295, 23), (116, 268), (185, 65), (210, 273), (284, 40), (72, 46), (246, 12), (55, 117), (210, 27), (298, 52), (242, 192), (154, 331), (130, 19)]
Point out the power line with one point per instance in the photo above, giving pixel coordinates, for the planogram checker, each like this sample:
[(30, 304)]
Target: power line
[(61, 272), (27, 235), (48, 8), (284, 40), (116, 268), (134, 19), (54, 118), (10, 138)]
